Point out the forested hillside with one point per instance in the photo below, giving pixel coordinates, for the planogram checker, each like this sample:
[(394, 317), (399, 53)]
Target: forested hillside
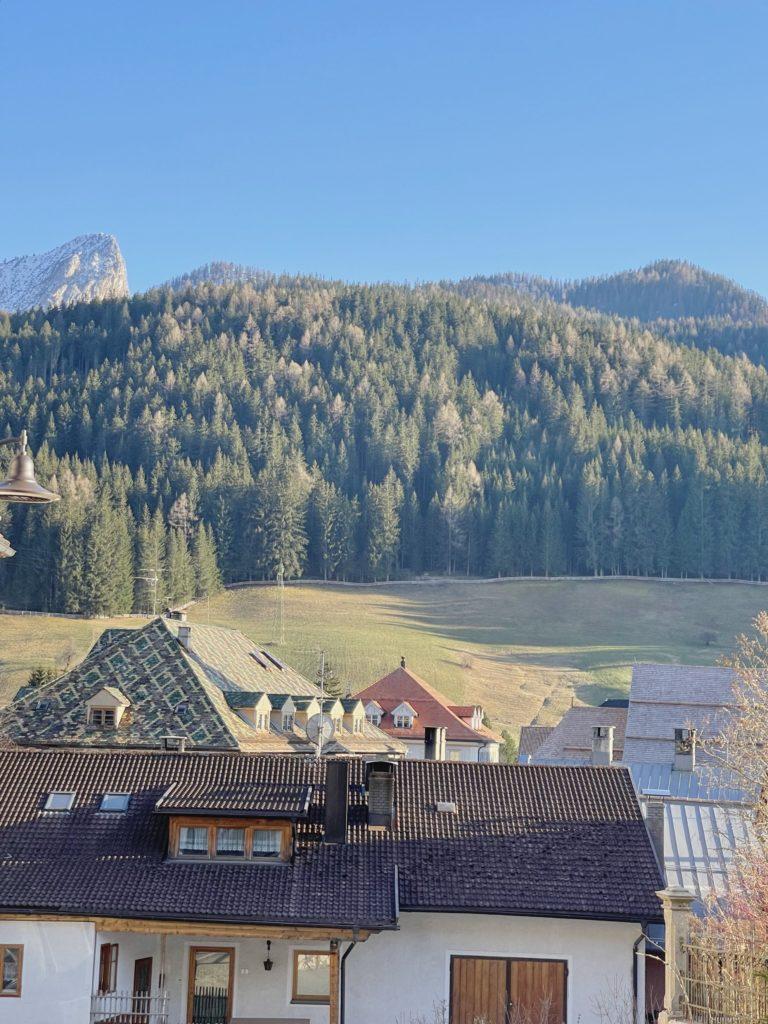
[(675, 298), (369, 432)]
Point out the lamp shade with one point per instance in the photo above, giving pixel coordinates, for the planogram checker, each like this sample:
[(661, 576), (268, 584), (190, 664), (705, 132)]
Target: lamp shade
[(22, 486)]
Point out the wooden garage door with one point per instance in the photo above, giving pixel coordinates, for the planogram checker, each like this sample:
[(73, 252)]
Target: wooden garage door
[(492, 990)]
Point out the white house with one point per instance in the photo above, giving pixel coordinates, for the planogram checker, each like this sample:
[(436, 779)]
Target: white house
[(143, 887)]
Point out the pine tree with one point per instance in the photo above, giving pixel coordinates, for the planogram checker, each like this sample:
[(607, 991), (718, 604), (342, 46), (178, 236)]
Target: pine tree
[(207, 575), (180, 570)]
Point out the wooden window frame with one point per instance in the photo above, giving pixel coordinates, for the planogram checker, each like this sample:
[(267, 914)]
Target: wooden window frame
[(108, 963), (249, 825), (191, 975), (20, 947), (102, 714), (312, 1000)]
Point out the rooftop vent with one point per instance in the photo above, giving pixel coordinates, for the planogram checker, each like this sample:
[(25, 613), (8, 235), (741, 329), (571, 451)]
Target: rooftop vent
[(447, 807), (177, 744)]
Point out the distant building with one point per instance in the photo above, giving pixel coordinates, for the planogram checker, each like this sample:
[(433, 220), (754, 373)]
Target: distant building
[(199, 686), (409, 710), (697, 814)]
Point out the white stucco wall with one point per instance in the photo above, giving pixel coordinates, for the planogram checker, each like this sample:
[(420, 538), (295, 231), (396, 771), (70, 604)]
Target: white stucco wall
[(56, 972), (394, 977)]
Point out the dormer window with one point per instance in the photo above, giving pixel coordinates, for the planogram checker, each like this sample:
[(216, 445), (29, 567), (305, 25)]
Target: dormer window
[(229, 839), (106, 708), (59, 802), (103, 718), (403, 716), (262, 721), (287, 722), (374, 717)]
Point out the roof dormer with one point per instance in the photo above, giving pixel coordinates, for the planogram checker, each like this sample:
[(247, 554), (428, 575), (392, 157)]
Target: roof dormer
[(374, 712), (354, 714), (254, 708), (403, 715), (106, 708)]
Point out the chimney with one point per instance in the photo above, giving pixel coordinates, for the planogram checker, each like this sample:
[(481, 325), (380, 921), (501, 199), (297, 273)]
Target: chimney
[(602, 744), (380, 783), (185, 637), (336, 800), (685, 750), (654, 822), (434, 743)]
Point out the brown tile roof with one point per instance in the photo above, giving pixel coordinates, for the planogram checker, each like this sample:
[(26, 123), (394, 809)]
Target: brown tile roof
[(260, 799), (571, 740), (531, 738), (566, 842), (431, 707)]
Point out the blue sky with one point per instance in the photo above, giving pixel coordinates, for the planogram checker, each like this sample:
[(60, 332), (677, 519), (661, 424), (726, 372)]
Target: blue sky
[(390, 140)]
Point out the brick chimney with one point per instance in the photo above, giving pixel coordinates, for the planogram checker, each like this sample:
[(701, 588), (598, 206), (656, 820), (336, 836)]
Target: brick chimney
[(685, 750), (602, 744)]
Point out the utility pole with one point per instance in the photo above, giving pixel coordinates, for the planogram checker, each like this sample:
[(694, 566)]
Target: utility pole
[(281, 603), (322, 705)]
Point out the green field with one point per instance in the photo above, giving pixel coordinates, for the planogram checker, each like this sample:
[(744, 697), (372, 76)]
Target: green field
[(524, 649)]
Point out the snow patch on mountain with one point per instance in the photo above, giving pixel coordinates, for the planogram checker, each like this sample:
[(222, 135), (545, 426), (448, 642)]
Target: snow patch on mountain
[(88, 267)]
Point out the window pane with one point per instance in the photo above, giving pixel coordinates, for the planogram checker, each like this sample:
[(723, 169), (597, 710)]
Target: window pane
[(115, 802), (230, 842), (193, 841), (267, 842), (313, 976), (10, 983), (59, 801)]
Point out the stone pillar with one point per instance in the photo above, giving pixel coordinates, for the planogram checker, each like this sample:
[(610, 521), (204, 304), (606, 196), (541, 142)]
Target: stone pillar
[(677, 903)]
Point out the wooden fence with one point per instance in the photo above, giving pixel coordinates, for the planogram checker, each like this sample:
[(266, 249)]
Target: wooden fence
[(726, 986)]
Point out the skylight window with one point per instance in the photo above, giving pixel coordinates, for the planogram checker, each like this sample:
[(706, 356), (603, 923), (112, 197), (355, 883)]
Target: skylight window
[(275, 661), (258, 658), (59, 801), (115, 802)]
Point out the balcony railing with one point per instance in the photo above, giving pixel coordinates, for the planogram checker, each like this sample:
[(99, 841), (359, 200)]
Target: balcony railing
[(129, 1008)]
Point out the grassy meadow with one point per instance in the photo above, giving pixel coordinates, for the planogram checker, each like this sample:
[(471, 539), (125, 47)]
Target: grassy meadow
[(523, 648)]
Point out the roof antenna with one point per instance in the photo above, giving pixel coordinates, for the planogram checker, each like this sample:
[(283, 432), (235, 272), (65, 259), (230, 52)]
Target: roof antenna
[(281, 602)]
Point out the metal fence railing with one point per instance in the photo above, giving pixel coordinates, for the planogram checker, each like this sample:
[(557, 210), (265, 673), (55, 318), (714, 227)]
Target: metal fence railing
[(129, 1008), (210, 1005), (726, 986)]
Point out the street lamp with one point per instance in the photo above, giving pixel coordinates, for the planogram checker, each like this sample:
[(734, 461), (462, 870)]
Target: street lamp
[(21, 485)]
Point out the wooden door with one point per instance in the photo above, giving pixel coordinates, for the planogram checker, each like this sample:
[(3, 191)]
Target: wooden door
[(537, 992), (142, 990), (478, 990), (501, 990), (211, 978)]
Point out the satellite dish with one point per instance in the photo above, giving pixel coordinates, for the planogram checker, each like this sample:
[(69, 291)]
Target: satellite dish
[(320, 730)]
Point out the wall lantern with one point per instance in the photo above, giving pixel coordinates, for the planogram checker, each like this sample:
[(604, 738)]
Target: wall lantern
[(268, 962)]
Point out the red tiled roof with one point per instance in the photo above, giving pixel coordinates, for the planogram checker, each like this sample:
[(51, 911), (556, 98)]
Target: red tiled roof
[(432, 708)]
